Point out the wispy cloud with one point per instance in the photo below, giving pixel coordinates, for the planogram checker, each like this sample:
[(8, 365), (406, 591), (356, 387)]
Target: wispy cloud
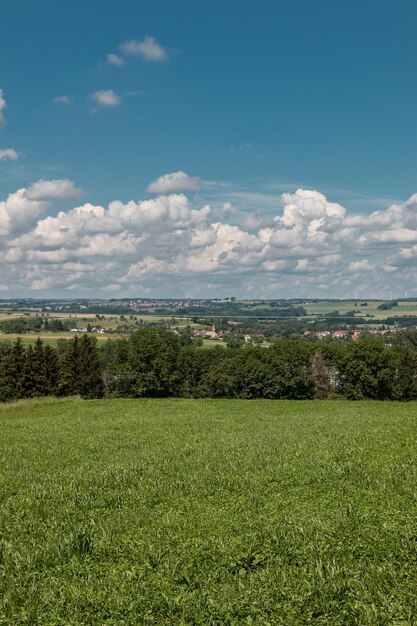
[(62, 100), (148, 49), (114, 59), (2, 107)]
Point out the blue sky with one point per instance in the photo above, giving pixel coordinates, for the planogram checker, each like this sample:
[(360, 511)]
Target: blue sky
[(249, 100)]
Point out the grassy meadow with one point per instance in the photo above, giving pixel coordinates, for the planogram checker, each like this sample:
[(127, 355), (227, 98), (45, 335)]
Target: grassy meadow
[(208, 512), (343, 306)]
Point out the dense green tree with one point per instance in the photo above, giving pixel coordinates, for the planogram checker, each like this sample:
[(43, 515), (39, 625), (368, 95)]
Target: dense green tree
[(405, 376), (39, 369), (62, 345), (81, 372), (22, 325), (250, 373), (185, 337), (221, 376), (55, 325), (28, 375), (152, 365), (70, 383), (366, 370), (5, 349), (52, 370), (193, 366), (90, 374), (235, 341), (405, 337), (292, 370), (11, 373)]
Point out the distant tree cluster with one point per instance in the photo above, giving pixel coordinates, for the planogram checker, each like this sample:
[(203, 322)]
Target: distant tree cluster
[(386, 306), (156, 363), (241, 310), (33, 324)]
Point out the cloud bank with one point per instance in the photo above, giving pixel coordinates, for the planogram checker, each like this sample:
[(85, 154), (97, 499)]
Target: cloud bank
[(308, 246)]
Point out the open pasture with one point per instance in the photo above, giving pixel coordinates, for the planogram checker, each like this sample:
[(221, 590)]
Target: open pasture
[(208, 512), (48, 337), (343, 306)]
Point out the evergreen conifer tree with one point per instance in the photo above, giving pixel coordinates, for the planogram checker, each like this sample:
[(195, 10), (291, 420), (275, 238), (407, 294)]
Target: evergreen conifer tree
[(12, 373), (91, 379), (70, 380), (40, 387), (28, 375), (52, 370)]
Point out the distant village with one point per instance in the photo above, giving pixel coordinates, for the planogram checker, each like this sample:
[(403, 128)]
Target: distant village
[(354, 335)]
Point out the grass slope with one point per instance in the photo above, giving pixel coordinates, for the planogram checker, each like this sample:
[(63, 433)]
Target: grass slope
[(208, 512)]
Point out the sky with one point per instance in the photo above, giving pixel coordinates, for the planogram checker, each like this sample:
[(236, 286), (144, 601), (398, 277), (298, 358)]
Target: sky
[(174, 148)]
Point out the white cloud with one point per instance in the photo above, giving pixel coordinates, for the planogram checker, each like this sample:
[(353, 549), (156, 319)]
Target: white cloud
[(52, 189), (8, 153), (172, 245), (2, 107), (149, 49), (361, 266), (173, 182), (114, 59), (302, 265), (106, 97), (405, 257), (20, 211), (62, 100)]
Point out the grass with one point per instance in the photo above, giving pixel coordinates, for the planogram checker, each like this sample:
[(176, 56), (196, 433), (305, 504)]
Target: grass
[(49, 338), (320, 308), (31, 339), (210, 343), (208, 512)]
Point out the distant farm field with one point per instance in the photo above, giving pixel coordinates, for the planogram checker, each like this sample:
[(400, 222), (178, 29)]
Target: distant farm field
[(208, 512), (49, 338), (344, 306)]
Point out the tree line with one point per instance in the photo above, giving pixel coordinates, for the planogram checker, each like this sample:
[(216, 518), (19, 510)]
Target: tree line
[(154, 363)]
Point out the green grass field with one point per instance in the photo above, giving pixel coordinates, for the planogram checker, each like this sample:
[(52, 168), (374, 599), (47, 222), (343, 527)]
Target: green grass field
[(321, 308), (208, 512)]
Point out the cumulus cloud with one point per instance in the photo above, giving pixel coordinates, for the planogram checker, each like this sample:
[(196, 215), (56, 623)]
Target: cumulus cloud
[(106, 97), (2, 107), (176, 181), (114, 59), (21, 209), (51, 189), (18, 212), (148, 49), (172, 245), (361, 266), (8, 153)]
